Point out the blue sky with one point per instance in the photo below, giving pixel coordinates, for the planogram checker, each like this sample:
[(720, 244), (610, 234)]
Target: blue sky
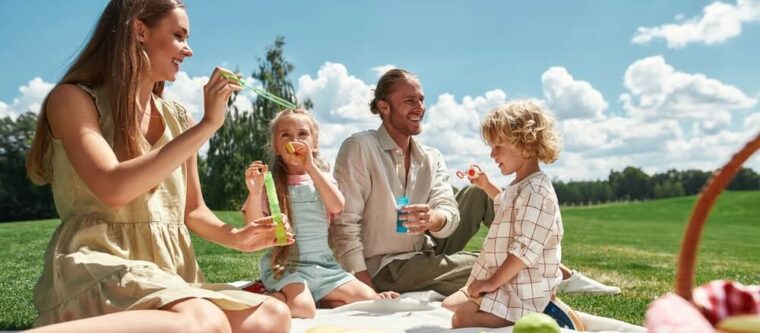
[(653, 84)]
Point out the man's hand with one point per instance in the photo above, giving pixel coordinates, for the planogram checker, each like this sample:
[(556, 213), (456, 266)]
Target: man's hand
[(388, 295), (420, 218)]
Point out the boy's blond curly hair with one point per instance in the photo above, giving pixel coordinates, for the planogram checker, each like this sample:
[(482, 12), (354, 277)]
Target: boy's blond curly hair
[(526, 126)]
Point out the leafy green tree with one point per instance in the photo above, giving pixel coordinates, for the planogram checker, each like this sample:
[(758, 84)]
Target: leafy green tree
[(668, 189), (243, 137), (19, 198), (693, 180), (746, 179), (567, 193), (631, 184)]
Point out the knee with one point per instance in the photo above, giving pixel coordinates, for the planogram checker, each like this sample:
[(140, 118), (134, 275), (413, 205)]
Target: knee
[(367, 295), (462, 318), (458, 320), (203, 316), (272, 316), (450, 304), (362, 294), (306, 310)]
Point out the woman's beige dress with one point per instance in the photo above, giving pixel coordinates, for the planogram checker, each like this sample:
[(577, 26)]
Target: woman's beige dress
[(103, 260)]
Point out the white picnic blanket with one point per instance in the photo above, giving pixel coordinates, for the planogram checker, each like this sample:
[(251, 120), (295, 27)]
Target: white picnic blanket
[(420, 313)]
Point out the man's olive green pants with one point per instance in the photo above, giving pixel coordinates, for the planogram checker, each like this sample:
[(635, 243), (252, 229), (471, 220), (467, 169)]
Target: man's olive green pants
[(446, 270)]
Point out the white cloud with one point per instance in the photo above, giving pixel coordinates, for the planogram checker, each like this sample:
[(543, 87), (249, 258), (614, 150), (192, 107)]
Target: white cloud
[(719, 22), (341, 105), (752, 122), (656, 89), (593, 144), (673, 120), (454, 128), (4, 110), (708, 152), (570, 98), (380, 70), (187, 91), (616, 136), (576, 166), (30, 99)]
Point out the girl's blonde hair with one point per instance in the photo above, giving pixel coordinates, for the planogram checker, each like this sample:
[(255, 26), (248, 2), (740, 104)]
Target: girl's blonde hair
[(114, 60), (281, 255), (526, 126)]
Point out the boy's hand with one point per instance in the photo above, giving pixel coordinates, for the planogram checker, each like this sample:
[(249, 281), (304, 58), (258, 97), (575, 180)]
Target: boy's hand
[(254, 176), (481, 179), (479, 287), (301, 155)]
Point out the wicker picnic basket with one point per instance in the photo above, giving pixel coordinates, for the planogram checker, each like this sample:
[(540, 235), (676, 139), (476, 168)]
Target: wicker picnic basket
[(684, 282), (720, 179)]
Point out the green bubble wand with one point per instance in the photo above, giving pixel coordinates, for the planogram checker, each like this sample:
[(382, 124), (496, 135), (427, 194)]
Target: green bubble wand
[(274, 209), (261, 92)]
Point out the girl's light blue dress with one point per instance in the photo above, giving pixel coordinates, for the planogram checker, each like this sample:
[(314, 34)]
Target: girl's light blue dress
[(316, 267)]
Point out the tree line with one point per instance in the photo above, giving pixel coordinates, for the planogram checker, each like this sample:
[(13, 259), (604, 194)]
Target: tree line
[(243, 139), (633, 184)]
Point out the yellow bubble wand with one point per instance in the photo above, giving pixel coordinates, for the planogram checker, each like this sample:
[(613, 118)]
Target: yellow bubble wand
[(274, 209)]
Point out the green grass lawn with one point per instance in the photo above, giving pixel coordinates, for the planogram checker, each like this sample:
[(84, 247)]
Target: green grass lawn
[(632, 245)]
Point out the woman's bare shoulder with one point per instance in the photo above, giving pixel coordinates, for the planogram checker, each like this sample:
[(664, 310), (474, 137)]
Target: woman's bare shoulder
[(68, 105)]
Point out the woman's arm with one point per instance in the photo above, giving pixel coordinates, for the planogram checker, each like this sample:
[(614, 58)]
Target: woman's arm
[(255, 235), (73, 119)]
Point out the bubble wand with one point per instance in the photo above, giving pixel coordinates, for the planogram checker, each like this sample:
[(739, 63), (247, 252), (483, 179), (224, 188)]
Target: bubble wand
[(274, 209), (261, 92), (471, 173)]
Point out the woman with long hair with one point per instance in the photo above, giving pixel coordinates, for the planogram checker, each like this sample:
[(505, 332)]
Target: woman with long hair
[(122, 165)]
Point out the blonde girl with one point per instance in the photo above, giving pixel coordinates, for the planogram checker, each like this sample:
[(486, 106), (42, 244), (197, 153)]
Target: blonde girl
[(306, 272)]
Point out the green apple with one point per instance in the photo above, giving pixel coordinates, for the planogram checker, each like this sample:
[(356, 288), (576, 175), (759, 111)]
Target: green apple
[(536, 323)]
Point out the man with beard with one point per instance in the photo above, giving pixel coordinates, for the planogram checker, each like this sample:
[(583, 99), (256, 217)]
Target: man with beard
[(373, 169)]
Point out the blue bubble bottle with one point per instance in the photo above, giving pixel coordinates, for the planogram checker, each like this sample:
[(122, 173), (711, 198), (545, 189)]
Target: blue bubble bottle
[(401, 202)]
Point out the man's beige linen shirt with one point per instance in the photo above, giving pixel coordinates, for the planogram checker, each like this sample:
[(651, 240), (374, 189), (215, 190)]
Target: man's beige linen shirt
[(370, 173)]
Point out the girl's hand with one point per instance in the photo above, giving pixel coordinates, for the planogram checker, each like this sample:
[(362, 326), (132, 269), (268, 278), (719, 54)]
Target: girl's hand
[(301, 155), (388, 295), (259, 234), (216, 93), (254, 176), (479, 287)]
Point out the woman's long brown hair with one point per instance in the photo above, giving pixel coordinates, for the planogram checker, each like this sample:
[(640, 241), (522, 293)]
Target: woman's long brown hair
[(283, 256), (115, 61)]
